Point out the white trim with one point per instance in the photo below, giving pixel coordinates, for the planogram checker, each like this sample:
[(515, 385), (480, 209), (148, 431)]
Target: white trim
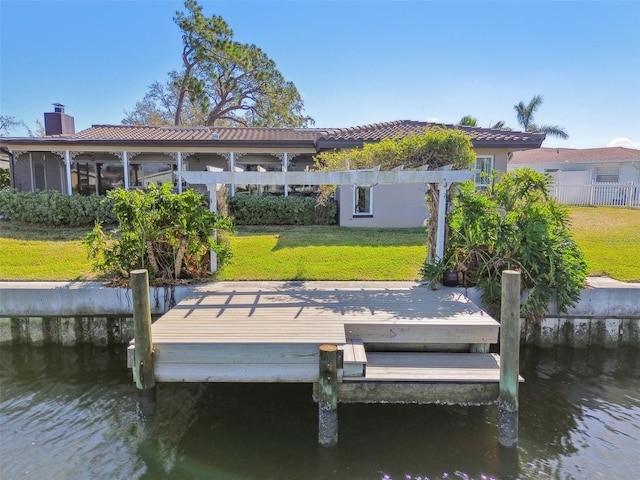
[(477, 179), (355, 201)]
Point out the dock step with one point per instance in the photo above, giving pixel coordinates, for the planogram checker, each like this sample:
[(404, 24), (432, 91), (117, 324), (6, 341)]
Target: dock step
[(430, 367), (355, 357)]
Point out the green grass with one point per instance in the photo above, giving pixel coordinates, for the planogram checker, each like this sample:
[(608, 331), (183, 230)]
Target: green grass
[(34, 252), (609, 237), (610, 240), (325, 253)]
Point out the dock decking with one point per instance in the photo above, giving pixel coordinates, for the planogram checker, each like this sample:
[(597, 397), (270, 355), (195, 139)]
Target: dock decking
[(386, 332)]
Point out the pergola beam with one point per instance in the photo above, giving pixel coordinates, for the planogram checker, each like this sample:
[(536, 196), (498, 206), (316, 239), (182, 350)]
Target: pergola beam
[(347, 177)]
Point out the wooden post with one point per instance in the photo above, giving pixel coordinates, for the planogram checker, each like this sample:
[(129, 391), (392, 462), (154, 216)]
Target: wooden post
[(328, 396), (143, 357), (509, 359)]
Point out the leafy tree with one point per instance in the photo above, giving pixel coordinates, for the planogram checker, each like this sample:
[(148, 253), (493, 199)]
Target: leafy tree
[(169, 234), (159, 107), (221, 82), (526, 114), (516, 225)]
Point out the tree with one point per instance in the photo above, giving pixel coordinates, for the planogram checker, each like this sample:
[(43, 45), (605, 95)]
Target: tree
[(8, 122), (526, 113), (159, 107), (39, 130), (221, 82), (469, 121)]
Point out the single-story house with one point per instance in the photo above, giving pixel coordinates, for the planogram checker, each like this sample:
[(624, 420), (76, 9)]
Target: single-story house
[(588, 176), (105, 157)]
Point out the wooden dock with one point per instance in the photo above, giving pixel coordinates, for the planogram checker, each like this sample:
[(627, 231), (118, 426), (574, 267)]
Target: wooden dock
[(397, 341), (372, 342)]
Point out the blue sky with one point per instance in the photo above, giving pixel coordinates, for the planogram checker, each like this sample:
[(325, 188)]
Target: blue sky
[(354, 62)]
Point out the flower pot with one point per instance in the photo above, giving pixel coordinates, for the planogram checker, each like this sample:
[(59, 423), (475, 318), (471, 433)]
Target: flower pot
[(450, 278)]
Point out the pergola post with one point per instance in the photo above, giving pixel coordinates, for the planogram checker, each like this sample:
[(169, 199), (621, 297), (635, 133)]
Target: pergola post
[(442, 211), (67, 165), (179, 173), (213, 207), (125, 167)]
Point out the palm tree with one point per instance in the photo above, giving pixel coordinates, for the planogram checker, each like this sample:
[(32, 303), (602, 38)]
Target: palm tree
[(525, 115), (499, 126), (468, 121)]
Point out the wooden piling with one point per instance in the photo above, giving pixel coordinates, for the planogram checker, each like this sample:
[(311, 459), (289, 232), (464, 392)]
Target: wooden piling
[(143, 373), (509, 359), (328, 396)]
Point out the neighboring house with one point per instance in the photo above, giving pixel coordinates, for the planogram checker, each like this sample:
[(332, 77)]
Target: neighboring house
[(589, 176), (105, 157)]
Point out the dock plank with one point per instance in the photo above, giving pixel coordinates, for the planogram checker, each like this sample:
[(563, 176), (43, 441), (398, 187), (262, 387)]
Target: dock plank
[(431, 367)]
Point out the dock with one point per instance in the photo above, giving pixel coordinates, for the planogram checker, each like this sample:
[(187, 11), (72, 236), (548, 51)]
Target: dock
[(394, 341)]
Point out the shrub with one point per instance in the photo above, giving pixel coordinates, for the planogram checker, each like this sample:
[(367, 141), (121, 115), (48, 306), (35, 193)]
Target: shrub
[(5, 179), (256, 210), (168, 234), (53, 208), (515, 225)]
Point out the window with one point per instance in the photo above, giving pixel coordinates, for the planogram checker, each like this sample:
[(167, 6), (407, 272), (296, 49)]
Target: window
[(363, 201), (484, 164), (607, 174), (143, 173)]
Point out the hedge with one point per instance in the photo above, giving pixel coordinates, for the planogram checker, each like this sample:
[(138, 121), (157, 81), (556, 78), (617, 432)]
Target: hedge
[(53, 208), (255, 210)]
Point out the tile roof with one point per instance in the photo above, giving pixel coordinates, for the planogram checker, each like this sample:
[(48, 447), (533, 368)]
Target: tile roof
[(149, 133), (582, 155), (319, 138), (378, 131)]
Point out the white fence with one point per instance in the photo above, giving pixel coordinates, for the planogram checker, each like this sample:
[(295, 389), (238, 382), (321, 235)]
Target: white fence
[(615, 194)]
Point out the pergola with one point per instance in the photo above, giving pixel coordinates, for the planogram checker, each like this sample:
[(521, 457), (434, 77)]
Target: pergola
[(443, 178)]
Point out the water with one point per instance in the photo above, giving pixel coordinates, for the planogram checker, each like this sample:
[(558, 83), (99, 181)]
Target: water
[(70, 414)]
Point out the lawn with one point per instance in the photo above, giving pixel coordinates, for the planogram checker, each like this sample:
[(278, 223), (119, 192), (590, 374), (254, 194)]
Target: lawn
[(30, 252), (325, 253), (610, 240), (609, 237)]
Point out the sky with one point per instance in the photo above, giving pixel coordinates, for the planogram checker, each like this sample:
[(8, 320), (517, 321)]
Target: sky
[(353, 62)]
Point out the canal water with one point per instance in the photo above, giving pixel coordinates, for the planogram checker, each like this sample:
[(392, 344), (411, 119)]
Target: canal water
[(70, 413)]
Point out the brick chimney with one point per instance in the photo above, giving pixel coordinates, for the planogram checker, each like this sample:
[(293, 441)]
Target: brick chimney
[(58, 122)]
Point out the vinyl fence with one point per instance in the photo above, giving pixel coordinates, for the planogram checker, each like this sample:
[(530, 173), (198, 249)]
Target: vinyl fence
[(613, 194)]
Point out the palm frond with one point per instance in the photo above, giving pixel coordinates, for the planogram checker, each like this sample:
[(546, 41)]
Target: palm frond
[(554, 131)]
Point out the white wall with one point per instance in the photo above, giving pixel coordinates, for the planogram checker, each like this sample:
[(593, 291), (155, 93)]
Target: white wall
[(394, 206)]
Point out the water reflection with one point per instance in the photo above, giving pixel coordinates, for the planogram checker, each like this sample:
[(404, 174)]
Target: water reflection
[(71, 413)]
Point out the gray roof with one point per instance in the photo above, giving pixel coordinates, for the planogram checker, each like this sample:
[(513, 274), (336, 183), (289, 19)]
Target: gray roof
[(318, 138)]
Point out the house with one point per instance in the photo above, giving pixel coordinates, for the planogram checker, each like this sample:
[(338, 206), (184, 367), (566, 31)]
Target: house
[(590, 176), (105, 157)]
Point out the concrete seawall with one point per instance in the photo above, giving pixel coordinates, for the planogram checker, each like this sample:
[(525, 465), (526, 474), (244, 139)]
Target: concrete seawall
[(70, 313)]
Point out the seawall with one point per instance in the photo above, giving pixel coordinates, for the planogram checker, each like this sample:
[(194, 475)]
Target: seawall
[(70, 313)]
